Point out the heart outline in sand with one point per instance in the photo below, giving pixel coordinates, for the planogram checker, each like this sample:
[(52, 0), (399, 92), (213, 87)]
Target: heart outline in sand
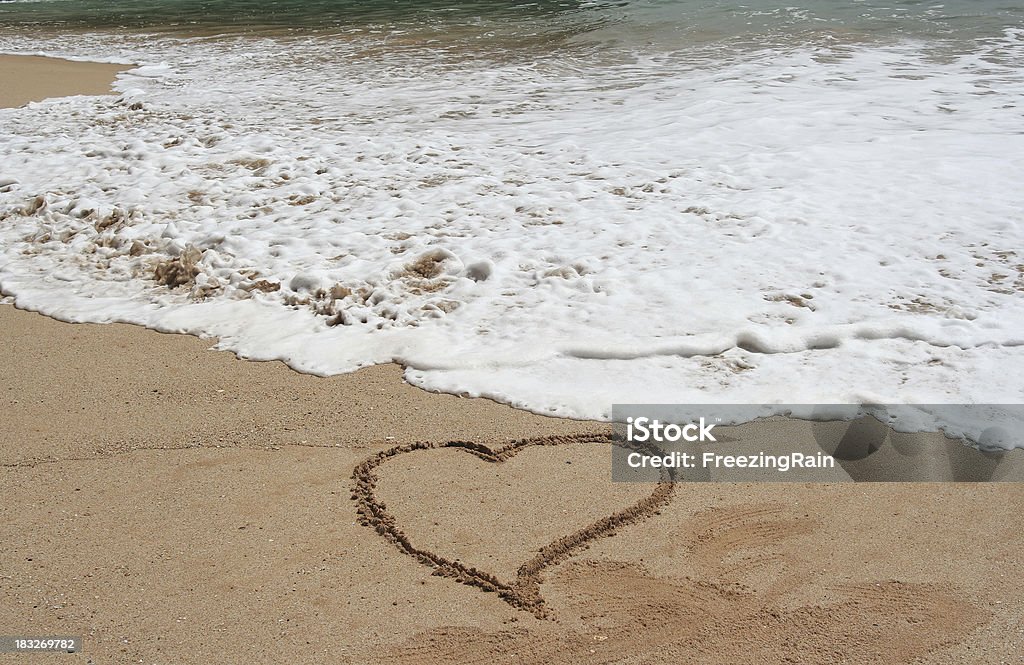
[(524, 592)]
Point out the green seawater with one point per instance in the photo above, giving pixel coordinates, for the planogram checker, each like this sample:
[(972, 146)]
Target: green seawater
[(642, 22)]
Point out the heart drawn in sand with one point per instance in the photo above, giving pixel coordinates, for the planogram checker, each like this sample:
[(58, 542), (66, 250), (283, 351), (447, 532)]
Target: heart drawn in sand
[(524, 591)]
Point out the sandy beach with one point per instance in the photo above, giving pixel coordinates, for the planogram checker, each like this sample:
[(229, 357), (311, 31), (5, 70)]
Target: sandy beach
[(28, 78), (174, 504)]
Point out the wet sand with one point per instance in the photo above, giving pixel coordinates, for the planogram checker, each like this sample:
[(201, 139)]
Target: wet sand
[(29, 78)]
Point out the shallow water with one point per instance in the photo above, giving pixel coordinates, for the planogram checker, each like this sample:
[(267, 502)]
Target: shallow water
[(667, 23), (561, 206)]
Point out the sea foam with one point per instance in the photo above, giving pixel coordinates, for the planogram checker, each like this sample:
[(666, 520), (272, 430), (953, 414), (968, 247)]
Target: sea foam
[(812, 225)]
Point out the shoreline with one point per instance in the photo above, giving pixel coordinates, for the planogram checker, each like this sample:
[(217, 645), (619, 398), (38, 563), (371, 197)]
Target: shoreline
[(148, 484), (179, 393)]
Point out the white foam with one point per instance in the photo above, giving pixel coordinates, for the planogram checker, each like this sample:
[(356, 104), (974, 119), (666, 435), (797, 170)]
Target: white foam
[(808, 226)]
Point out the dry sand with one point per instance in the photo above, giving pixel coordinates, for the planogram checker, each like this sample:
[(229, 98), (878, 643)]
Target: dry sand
[(176, 505)]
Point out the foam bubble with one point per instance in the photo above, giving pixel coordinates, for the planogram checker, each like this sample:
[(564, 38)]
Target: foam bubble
[(784, 227)]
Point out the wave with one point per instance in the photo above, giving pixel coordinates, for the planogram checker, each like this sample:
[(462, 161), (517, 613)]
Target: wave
[(810, 225)]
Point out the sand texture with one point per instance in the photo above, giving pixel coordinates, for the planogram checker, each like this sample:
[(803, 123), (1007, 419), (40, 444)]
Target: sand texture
[(174, 504), (28, 78)]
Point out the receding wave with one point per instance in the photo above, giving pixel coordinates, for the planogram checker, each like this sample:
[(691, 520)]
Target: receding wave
[(810, 224)]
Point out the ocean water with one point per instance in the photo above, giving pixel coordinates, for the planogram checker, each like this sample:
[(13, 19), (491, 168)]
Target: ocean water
[(550, 25), (559, 205)]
